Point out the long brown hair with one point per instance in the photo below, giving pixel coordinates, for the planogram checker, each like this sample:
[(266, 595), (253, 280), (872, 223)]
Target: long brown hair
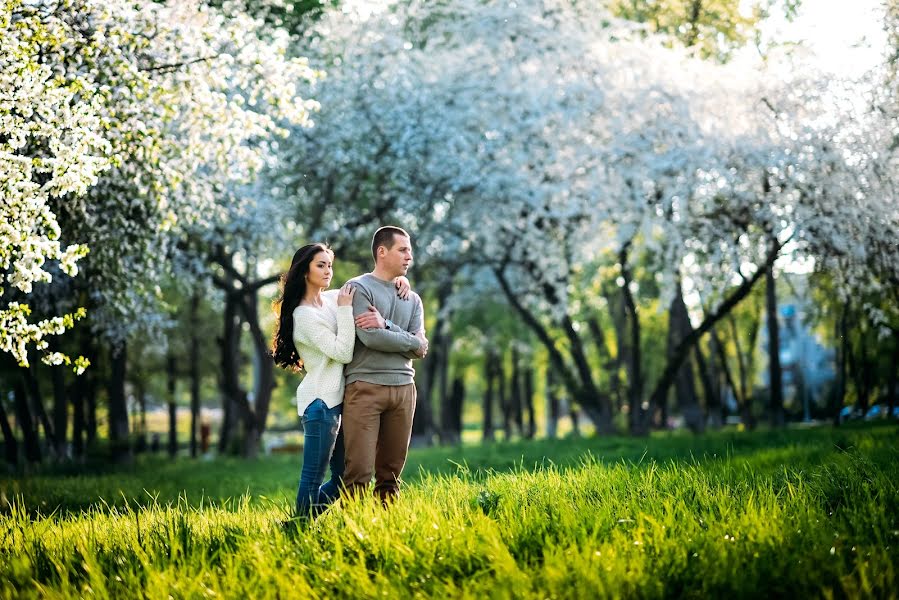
[(293, 288)]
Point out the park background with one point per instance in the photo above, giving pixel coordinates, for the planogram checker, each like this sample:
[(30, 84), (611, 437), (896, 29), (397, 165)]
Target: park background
[(652, 238)]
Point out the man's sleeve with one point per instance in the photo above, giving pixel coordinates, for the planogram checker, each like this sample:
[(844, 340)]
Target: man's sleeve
[(383, 340), (416, 324)]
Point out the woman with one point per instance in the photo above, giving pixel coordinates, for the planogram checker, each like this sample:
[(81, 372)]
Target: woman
[(316, 332)]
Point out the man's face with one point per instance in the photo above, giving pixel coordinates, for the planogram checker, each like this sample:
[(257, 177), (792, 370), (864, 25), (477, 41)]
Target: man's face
[(398, 258)]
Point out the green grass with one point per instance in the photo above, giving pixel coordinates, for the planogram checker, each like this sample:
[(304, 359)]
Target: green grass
[(804, 513)]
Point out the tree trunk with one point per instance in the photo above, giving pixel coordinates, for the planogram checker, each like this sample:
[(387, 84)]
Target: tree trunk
[(256, 416), (515, 394), (528, 386), (638, 423), (504, 399), (37, 406), (717, 350), (194, 370), (230, 385), (78, 423), (25, 422), (423, 419), (775, 373), (60, 413), (670, 371), (451, 413), (679, 328), (489, 376), (118, 406), (552, 405), (171, 381), (611, 364), (91, 408), (744, 401), (10, 446), (444, 394), (139, 427), (715, 404), (709, 381), (580, 382)]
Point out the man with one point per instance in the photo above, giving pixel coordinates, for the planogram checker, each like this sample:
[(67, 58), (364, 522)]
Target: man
[(379, 400)]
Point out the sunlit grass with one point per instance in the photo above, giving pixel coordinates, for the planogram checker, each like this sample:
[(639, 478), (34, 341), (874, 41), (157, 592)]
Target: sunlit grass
[(805, 513)]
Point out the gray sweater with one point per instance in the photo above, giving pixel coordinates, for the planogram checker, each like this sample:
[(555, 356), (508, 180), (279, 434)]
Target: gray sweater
[(384, 356)]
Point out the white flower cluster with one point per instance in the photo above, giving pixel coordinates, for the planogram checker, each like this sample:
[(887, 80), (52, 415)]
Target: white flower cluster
[(51, 145), (122, 125), (547, 137)]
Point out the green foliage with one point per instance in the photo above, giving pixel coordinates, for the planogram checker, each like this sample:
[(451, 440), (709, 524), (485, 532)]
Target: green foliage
[(717, 27), (808, 513)]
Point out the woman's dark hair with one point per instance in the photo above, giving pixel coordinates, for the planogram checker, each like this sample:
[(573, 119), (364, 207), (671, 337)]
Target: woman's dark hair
[(293, 288)]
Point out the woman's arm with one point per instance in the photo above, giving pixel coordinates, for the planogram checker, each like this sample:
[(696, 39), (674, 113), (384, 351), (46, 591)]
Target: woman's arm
[(403, 287), (310, 329)]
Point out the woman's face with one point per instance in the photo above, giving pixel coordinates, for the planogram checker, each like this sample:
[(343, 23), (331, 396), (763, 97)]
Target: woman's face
[(320, 270)]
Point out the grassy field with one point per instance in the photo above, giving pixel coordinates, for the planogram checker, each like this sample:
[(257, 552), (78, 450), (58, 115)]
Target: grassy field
[(805, 513)]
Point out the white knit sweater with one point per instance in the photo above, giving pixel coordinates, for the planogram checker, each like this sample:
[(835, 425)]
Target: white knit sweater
[(324, 338)]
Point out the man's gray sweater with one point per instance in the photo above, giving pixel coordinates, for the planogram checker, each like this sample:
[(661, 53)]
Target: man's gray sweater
[(384, 356)]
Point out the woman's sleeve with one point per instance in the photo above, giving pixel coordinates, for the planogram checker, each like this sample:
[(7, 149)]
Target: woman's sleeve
[(311, 330)]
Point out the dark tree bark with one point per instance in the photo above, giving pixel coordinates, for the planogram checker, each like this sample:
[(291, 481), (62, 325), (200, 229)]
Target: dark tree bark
[(451, 413), (90, 405), (433, 383), (775, 372), (716, 382), (78, 416), (679, 327), (230, 365), (194, 371), (552, 405), (25, 422), (611, 364), (139, 430), (638, 418), (444, 393), (737, 295), (744, 401), (37, 405), (515, 393), (502, 389), (171, 383), (256, 416), (423, 419), (490, 372), (580, 381), (10, 445), (118, 406), (241, 299), (719, 355), (60, 413), (528, 387)]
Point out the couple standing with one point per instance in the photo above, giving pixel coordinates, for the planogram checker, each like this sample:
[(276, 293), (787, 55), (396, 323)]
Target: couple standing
[(356, 345)]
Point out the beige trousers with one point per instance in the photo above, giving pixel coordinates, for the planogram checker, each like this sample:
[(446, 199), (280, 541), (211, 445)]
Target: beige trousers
[(377, 426)]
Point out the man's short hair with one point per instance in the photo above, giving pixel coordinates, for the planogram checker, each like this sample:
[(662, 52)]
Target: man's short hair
[(385, 237)]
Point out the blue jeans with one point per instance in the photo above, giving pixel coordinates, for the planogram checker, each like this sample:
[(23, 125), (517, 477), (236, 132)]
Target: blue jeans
[(322, 445)]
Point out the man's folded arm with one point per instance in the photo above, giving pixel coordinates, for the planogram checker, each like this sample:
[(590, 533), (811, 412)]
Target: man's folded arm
[(383, 340), (416, 324)]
